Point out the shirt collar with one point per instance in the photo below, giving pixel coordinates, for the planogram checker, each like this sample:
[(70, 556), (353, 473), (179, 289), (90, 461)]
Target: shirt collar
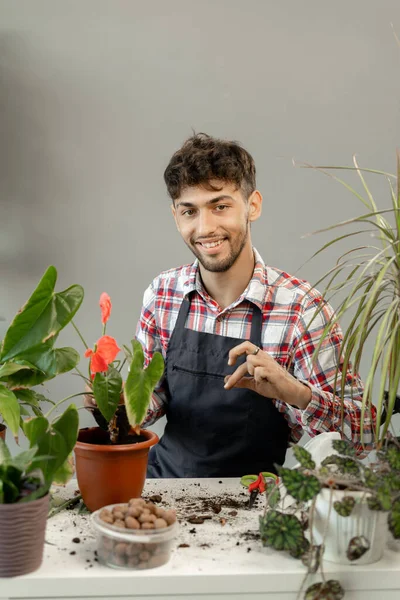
[(255, 291)]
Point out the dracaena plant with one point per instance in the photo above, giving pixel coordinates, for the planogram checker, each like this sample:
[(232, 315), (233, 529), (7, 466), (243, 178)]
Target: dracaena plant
[(122, 404), (289, 528), (367, 277), (28, 356)]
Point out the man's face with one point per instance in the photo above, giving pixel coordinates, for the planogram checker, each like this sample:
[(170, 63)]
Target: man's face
[(215, 224)]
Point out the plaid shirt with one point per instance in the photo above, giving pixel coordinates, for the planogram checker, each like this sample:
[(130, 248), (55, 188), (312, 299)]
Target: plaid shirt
[(288, 305)]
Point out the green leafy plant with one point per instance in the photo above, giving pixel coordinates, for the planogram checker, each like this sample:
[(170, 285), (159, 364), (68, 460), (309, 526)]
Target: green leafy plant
[(29, 475), (120, 407), (28, 356), (286, 528), (367, 276)]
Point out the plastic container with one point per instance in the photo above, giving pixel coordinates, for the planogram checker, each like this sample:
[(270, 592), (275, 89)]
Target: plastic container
[(121, 548)]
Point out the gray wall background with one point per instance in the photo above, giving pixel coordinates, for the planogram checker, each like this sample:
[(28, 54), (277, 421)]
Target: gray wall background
[(96, 95)]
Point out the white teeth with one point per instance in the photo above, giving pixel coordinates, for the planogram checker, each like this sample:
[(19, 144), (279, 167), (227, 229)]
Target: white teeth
[(212, 244)]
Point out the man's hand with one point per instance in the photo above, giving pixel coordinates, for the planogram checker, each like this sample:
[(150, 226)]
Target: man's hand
[(262, 374)]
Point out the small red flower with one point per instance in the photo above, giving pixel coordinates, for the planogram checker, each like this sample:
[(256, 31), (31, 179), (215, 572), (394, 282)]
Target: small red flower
[(105, 307), (106, 352)]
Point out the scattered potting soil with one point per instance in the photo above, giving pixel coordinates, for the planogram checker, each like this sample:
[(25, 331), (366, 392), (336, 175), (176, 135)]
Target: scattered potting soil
[(76, 540)]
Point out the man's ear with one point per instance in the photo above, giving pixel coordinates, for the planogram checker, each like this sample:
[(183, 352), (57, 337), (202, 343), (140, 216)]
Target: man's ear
[(255, 205)]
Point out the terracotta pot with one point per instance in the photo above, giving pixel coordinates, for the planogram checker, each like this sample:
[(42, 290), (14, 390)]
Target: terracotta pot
[(110, 474), (22, 530), (3, 430)]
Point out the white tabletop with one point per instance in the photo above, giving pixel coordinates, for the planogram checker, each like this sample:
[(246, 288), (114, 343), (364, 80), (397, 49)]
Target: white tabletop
[(223, 559)]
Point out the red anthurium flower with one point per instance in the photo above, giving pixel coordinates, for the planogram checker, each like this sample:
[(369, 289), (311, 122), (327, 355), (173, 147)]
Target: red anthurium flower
[(106, 352), (105, 307)]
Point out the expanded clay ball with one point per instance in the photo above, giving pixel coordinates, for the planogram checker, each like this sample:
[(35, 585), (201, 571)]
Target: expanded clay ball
[(136, 515)]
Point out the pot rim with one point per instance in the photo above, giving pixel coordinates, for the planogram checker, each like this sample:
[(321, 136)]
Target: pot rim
[(13, 505), (152, 439)]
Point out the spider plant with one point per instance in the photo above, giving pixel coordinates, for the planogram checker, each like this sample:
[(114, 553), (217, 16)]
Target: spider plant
[(367, 278)]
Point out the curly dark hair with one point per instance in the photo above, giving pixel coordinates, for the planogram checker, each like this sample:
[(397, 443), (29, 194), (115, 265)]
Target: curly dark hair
[(203, 158)]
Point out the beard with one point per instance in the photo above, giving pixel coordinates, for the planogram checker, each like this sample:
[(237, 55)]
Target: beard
[(221, 265)]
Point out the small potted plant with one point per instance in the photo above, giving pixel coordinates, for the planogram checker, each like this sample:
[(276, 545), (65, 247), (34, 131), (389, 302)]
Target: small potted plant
[(111, 460), (28, 356), (25, 482), (348, 505)]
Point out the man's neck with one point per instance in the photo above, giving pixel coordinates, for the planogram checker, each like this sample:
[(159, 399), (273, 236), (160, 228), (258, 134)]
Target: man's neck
[(226, 287)]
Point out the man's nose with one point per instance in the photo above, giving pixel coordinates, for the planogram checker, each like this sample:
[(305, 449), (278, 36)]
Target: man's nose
[(206, 223)]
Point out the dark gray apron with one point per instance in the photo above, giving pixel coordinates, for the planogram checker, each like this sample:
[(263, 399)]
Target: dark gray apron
[(210, 431)]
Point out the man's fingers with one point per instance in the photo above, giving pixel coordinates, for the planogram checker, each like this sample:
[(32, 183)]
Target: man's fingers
[(244, 348), (231, 380)]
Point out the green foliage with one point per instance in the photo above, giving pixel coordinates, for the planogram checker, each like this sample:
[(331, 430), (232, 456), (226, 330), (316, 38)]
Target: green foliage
[(16, 484), (140, 383), (393, 458), (55, 441), (107, 388), (304, 457), (343, 447), (345, 507), (27, 354), (345, 465), (283, 532), (299, 485), (394, 519)]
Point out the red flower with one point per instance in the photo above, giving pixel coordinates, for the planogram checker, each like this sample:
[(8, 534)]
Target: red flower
[(106, 351), (105, 307)]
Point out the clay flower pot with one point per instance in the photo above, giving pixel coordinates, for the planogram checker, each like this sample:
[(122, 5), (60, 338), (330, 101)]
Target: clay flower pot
[(110, 474), (22, 531), (3, 430)]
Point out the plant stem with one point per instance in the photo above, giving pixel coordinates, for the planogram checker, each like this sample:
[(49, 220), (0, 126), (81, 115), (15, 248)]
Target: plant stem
[(121, 366), (82, 375), (66, 504), (80, 335), (63, 400)]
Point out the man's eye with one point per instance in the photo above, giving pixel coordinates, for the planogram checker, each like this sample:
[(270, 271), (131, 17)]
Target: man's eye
[(188, 213), (221, 207)]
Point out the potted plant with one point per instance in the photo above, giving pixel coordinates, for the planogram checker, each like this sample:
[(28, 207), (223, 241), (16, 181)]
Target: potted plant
[(28, 356), (111, 460), (347, 505), (25, 482)]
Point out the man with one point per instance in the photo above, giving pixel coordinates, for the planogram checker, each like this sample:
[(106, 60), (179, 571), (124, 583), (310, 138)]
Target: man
[(238, 383)]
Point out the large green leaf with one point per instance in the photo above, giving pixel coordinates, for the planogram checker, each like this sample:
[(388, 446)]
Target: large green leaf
[(107, 390), (56, 441), (9, 409), (283, 532), (140, 384), (299, 485), (35, 428), (42, 317), (29, 313), (10, 368), (5, 454), (66, 359), (47, 362)]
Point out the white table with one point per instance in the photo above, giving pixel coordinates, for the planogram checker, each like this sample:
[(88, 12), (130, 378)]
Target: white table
[(228, 567)]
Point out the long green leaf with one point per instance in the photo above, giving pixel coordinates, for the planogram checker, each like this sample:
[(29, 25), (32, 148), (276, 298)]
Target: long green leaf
[(140, 384), (107, 390), (42, 318), (9, 409)]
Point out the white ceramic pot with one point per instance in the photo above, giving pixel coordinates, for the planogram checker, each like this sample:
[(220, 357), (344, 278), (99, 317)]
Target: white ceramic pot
[(340, 530)]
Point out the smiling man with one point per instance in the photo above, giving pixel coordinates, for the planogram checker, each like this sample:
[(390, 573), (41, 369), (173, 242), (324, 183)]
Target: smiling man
[(238, 385)]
